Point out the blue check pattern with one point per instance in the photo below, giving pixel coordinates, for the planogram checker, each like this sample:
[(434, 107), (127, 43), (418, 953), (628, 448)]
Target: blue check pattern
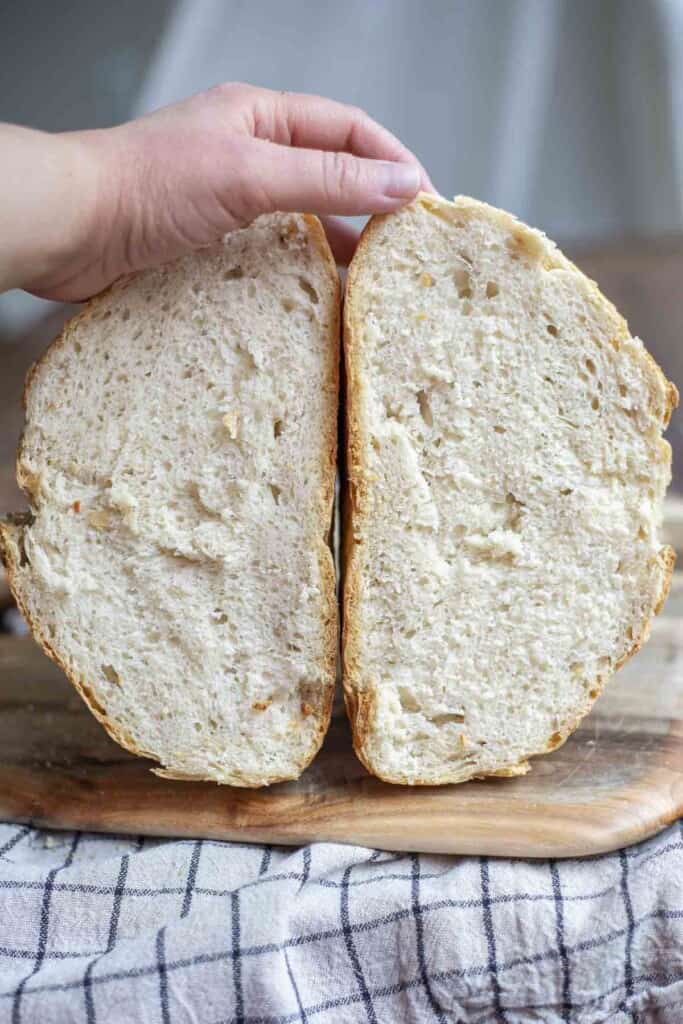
[(121, 930)]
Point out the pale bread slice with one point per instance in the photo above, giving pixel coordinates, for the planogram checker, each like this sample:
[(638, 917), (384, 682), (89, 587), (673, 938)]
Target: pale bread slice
[(506, 474), (179, 457)]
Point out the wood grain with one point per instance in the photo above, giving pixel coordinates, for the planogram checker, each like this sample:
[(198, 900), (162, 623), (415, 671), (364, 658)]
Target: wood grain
[(616, 781)]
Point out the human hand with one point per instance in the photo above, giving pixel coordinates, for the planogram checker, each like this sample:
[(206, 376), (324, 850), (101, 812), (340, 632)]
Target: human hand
[(117, 200)]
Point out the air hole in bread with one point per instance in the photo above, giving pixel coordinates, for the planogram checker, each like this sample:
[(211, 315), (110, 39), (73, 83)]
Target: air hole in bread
[(277, 428), (552, 329), (389, 411), (307, 287), (276, 492), (492, 289), (234, 274), (446, 717), (595, 402), (463, 283), (111, 675), (498, 429), (24, 560), (590, 366), (288, 305), (408, 700), (425, 408)]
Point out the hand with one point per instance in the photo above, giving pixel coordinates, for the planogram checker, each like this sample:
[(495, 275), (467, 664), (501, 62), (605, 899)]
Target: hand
[(83, 208)]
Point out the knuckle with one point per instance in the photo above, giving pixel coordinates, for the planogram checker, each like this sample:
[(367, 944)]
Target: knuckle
[(359, 114), (340, 174)]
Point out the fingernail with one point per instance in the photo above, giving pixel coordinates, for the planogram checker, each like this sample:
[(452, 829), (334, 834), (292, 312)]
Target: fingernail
[(400, 181)]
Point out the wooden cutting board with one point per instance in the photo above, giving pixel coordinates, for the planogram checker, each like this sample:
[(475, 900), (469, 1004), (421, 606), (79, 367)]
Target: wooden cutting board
[(617, 780)]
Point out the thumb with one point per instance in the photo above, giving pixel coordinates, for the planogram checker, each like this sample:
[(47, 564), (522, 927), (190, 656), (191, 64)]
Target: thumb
[(322, 182)]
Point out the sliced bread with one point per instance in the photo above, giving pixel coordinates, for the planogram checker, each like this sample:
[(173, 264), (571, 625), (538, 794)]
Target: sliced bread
[(506, 476), (179, 459)]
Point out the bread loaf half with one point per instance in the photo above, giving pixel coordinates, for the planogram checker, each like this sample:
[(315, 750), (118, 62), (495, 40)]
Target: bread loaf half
[(179, 458), (506, 476)]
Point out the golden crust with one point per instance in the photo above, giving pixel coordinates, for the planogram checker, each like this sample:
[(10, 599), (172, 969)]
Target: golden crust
[(330, 432), (667, 561), (358, 691), (10, 546)]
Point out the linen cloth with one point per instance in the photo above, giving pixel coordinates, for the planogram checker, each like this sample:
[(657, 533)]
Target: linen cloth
[(122, 930)]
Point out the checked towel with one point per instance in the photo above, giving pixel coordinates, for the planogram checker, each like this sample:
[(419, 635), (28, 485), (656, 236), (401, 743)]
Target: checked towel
[(120, 930)]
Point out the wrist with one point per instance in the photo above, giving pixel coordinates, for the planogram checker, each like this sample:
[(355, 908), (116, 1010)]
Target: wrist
[(51, 208)]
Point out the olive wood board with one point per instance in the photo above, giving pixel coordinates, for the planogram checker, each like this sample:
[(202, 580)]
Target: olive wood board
[(617, 780)]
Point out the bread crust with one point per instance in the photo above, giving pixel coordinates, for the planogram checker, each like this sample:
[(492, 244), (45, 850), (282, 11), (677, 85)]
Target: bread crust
[(359, 691), (11, 534)]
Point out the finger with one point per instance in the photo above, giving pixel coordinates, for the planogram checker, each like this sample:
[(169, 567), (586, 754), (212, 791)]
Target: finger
[(343, 239), (282, 178), (314, 122)]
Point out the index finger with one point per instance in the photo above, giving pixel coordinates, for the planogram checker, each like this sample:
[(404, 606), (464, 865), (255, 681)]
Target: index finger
[(314, 122)]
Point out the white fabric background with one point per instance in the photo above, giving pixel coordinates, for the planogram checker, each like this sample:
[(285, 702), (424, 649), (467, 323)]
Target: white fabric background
[(566, 112)]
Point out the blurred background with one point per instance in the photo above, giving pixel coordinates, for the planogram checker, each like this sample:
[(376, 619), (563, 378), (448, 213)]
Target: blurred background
[(569, 113)]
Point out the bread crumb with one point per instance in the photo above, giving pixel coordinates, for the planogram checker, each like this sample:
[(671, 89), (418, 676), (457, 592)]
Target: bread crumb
[(306, 709)]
